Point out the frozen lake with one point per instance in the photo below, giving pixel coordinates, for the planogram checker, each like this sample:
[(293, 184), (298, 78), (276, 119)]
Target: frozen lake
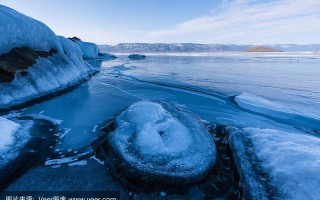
[(269, 97)]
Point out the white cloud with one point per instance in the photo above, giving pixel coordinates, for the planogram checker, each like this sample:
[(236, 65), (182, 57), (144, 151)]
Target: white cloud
[(251, 21)]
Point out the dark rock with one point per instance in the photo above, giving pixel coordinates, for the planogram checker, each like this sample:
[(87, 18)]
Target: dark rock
[(24, 73), (74, 39), (107, 55), (5, 76), (19, 59), (136, 56)]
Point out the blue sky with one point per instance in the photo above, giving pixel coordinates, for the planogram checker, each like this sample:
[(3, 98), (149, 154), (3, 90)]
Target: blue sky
[(197, 21)]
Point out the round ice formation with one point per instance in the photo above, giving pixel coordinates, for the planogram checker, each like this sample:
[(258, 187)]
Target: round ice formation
[(159, 143)]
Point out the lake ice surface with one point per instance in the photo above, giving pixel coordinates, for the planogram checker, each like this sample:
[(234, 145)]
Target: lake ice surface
[(270, 97)]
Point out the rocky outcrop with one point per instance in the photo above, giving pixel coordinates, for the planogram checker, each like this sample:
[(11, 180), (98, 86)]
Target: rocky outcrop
[(19, 59), (74, 39)]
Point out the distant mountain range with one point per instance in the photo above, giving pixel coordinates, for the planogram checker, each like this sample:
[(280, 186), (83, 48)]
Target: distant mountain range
[(191, 47)]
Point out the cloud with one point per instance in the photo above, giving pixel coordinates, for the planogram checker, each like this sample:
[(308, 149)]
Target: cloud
[(250, 21)]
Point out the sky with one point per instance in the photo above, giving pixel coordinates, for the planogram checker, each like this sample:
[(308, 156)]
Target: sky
[(179, 21)]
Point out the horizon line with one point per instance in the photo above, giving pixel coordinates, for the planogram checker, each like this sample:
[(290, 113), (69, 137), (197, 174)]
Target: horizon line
[(207, 43)]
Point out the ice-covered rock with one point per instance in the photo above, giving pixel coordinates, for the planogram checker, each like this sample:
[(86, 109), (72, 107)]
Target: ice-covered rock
[(24, 142), (18, 60), (18, 30), (8, 128), (277, 163), (136, 56), (91, 50), (157, 143), (13, 137), (41, 63)]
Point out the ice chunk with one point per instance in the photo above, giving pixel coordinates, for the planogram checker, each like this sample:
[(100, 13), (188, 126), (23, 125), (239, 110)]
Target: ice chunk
[(13, 137), (67, 160), (89, 50), (163, 143), (7, 129), (292, 160), (163, 194), (81, 162)]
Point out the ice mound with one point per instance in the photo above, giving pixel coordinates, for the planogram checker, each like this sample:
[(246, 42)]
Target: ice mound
[(156, 143), (62, 69), (90, 50), (291, 162), (18, 30)]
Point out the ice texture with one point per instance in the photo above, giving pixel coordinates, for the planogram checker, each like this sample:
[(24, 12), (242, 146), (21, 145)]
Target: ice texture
[(8, 128), (278, 110), (18, 30), (263, 105), (163, 142), (292, 161), (89, 50), (13, 137), (47, 75)]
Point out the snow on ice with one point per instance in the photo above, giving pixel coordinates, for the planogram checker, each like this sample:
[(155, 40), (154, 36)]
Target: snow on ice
[(162, 141), (292, 160), (13, 137)]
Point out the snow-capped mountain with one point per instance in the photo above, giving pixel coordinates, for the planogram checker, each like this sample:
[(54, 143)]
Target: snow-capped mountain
[(191, 47)]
